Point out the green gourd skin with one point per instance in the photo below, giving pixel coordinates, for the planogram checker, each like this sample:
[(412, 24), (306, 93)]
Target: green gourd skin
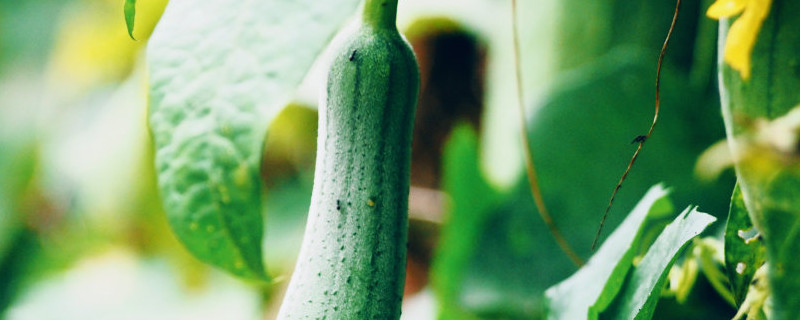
[(353, 258)]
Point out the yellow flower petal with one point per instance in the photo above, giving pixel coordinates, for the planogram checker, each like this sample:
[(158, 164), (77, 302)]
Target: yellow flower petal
[(738, 48), (742, 36), (725, 8)]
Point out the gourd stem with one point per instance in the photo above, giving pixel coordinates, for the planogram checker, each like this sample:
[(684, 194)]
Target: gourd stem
[(380, 13)]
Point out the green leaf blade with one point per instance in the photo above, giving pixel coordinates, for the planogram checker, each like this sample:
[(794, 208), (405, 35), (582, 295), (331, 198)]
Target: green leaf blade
[(594, 286), (220, 72), (742, 257), (130, 15), (642, 288), (769, 183)]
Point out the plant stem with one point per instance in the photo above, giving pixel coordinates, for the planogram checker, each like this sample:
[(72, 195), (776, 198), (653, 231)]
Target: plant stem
[(380, 13), (530, 169)]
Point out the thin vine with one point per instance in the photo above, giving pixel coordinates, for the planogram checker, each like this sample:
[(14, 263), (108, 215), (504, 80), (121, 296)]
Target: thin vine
[(641, 139)]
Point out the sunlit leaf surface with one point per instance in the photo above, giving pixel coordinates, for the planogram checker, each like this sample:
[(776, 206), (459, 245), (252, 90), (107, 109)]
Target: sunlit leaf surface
[(220, 71), (642, 288), (594, 286)]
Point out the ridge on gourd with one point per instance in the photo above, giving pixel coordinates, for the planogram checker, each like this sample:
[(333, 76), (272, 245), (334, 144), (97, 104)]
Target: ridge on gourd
[(352, 261)]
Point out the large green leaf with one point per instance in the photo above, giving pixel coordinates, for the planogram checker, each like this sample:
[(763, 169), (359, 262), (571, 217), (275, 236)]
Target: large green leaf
[(640, 293), (594, 286), (220, 71), (769, 174), (744, 252)]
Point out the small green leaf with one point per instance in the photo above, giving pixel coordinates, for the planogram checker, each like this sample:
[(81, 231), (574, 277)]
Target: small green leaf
[(130, 15), (744, 253), (594, 286), (220, 72), (638, 297)]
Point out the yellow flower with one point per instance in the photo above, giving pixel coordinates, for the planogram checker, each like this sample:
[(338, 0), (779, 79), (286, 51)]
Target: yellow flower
[(744, 31)]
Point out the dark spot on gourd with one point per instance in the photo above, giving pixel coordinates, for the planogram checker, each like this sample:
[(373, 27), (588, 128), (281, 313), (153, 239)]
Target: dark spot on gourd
[(338, 205), (353, 54)]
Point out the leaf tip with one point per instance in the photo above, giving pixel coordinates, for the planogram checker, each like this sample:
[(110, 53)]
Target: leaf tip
[(130, 15)]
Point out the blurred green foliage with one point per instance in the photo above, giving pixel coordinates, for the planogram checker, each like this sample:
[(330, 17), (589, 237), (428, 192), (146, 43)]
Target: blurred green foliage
[(77, 177), (26, 31)]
